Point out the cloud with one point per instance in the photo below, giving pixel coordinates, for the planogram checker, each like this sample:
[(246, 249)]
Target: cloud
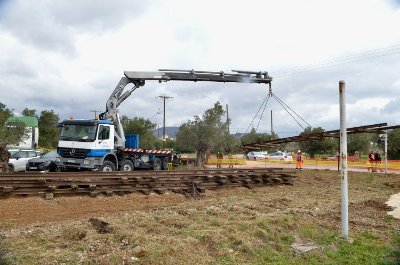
[(69, 56), (53, 25)]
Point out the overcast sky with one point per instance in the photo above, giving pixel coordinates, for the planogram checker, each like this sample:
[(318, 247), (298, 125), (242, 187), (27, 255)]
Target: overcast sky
[(69, 56)]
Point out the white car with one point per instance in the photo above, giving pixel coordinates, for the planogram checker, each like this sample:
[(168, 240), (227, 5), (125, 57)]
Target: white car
[(281, 156), (12, 151), (18, 160), (255, 155)]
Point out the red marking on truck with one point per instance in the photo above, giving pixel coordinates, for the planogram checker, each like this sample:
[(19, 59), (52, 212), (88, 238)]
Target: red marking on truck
[(136, 150)]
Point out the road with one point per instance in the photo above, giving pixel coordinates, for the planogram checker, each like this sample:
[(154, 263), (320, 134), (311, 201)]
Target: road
[(310, 164)]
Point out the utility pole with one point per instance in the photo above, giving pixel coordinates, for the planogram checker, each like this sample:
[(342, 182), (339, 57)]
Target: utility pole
[(227, 117), (272, 128), (95, 113), (343, 161), (164, 97), (386, 162)]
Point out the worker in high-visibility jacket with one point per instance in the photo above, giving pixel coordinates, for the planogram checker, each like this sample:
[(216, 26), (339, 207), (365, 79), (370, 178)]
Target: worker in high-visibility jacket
[(299, 158)]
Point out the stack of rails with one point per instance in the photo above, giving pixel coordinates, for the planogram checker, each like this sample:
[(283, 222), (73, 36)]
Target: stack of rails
[(95, 183)]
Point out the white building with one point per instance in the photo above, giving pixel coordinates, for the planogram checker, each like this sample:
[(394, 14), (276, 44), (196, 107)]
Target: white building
[(31, 138)]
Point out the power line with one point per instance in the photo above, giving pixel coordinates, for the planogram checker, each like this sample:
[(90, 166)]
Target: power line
[(157, 113), (366, 55)]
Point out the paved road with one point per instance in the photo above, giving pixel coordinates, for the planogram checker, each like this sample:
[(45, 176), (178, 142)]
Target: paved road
[(266, 164)]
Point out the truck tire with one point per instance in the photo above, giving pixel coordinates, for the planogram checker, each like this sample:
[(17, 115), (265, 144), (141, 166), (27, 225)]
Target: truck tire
[(107, 166), (165, 162), (126, 165), (157, 164)]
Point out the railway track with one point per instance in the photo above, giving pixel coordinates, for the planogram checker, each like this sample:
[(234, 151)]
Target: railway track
[(192, 182)]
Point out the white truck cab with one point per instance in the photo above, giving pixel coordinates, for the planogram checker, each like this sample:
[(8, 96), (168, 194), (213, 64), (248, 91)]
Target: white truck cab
[(85, 144)]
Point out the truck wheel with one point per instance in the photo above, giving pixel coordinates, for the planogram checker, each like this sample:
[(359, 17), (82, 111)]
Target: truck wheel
[(157, 164), (126, 165), (107, 166), (10, 169), (165, 163)]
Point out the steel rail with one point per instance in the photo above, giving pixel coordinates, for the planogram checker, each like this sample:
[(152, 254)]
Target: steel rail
[(94, 183)]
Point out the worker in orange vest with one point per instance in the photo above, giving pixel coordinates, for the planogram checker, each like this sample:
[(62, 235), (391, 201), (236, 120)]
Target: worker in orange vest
[(299, 158)]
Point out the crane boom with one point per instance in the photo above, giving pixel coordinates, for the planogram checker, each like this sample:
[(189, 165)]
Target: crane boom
[(191, 75), (138, 79)]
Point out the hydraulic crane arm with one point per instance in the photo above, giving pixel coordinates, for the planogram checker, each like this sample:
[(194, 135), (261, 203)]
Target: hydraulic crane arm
[(164, 75), (191, 75), (138, 79)]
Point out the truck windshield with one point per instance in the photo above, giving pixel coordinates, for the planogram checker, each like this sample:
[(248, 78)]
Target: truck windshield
[(78, 132)]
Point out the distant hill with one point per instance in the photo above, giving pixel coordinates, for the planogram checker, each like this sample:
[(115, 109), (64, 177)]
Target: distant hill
[(173, 131), (170, 131), (238, 135)]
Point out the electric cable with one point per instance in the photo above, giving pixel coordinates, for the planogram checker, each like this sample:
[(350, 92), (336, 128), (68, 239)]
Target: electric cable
[(376, 53)]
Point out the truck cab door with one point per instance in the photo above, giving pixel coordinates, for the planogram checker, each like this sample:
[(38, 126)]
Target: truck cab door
[(104, 137)]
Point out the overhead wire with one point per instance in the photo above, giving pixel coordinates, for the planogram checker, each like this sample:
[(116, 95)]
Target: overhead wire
[(371, 54), (367, 55)]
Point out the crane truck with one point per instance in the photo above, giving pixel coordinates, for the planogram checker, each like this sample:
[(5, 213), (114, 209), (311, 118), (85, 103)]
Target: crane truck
[(101, 144)]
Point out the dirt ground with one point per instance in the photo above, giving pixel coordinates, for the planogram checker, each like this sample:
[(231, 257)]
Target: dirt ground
[(313, 201), (322, 185), (30, 210)]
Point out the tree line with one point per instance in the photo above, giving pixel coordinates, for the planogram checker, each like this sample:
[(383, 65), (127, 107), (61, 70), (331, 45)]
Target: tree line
[(47, 122), (208, 134), (203, 135)]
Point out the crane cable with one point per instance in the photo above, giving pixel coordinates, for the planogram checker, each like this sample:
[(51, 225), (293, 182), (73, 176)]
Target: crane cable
[(283, 104), (269, 96), (266, 99), (286, 107)]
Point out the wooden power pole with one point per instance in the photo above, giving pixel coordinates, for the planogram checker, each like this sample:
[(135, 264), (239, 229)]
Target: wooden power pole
[(227, 117), (164, 97), (95, 113)]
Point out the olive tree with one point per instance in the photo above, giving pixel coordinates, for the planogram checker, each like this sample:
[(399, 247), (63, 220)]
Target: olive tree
[(10, 133), (394, 144), (144, 128), (204, 134), (360, 142), (48, 130), (322, 146)]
